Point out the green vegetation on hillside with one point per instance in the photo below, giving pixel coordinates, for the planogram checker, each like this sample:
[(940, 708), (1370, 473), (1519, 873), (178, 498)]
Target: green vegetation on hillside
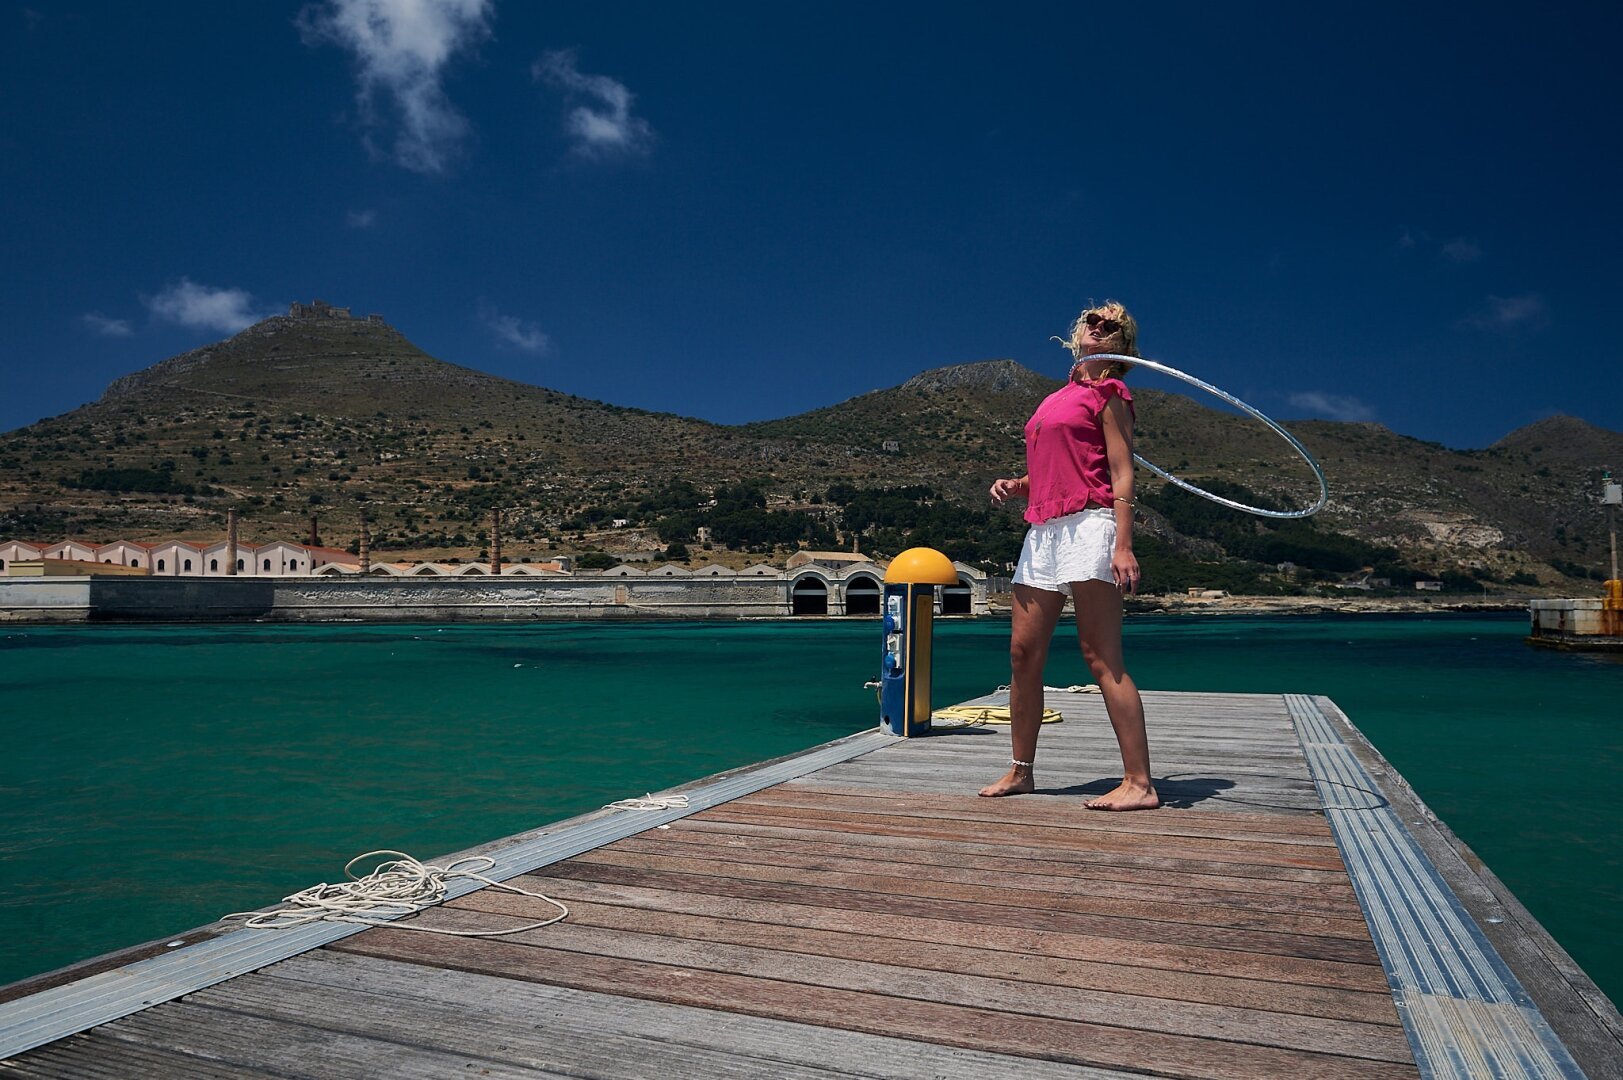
[(291, 418), (160, 481)]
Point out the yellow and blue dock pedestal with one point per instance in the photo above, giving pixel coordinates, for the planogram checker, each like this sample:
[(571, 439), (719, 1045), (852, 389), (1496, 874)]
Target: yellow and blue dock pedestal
[(909, 616)]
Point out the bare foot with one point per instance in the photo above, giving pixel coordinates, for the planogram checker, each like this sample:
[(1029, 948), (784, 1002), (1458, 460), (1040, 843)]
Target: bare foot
[(1014, 782), (1127, 796)]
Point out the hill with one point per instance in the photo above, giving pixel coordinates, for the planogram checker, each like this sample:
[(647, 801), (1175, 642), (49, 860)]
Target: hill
[(295, 417)]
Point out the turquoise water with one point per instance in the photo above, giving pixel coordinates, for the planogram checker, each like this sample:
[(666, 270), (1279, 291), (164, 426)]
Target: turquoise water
[(155, 778)]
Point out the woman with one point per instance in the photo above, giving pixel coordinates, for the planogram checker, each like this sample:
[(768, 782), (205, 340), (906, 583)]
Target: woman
[(1079, 501)]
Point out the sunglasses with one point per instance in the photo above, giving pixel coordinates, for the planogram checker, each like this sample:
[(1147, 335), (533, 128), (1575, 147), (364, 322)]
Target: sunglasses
[(1099, 322)]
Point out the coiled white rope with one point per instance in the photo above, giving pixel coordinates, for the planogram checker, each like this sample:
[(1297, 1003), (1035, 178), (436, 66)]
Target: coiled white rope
[(650, 802), (398, 886), (1074, 688)]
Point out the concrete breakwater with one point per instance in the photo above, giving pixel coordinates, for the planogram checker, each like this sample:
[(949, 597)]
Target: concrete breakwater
[(391, 599)]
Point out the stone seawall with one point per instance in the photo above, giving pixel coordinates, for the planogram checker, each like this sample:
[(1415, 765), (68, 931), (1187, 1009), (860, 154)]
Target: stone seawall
[(64, 600), (106, 599), (435, 600)]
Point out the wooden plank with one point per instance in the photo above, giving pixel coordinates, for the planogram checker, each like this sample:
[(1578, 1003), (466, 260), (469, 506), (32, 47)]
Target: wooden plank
[(95, 1055), (1195, 791), (898, 882), (1274, 738), (969, 957), (1014, 873), (1345, 1037), (1072, 778), (1081, 768), (718, 839), (533, 1015), (537, 1044), (937, 926), (885, 837), (816, 782), (1236, 852), (1172, 933), (1218, 826), (980, 1027), (300, 1050), (1190, 786)]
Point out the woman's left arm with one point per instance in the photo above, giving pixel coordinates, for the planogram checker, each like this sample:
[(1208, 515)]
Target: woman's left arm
[(1118, 428)]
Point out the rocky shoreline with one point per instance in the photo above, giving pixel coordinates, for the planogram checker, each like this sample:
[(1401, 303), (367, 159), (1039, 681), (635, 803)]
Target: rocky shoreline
[(1300, 605)]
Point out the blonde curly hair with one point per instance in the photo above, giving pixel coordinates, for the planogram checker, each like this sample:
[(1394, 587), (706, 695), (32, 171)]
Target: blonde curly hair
[(1110, 309)]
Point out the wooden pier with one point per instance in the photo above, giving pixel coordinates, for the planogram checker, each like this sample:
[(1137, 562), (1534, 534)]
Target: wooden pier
[(1293, 910)]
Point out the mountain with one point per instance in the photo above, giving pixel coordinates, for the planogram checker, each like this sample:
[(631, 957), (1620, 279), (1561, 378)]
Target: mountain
[(295, 417)]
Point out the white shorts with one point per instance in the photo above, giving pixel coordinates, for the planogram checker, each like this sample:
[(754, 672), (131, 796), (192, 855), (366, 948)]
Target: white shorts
[(1076, 547)]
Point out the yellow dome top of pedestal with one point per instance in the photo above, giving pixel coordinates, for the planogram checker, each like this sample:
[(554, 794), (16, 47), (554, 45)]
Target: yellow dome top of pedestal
[(921, 566)]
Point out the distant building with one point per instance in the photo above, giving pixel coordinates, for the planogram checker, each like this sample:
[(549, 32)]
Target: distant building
[(320, 309), (834, 560), (179, 558), (1428, 586), (21, 568)]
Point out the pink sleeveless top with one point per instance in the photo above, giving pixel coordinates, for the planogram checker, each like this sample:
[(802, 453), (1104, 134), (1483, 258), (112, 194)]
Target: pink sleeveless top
[(1065, 450)]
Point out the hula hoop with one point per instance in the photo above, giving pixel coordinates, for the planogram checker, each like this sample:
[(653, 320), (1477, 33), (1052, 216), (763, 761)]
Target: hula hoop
[(1324, 489)]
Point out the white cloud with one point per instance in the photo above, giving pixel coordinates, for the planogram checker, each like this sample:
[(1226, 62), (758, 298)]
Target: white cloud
[(361, 219), (401, 50), (1335, 406), (1461, 250), (105, 326), (203, 308), (601, 124), (1458, 250), (1502, 312), (514, 332)]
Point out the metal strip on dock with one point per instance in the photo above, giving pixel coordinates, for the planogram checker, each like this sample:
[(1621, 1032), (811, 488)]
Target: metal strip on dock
[(65, 1010), (1465, 1013)]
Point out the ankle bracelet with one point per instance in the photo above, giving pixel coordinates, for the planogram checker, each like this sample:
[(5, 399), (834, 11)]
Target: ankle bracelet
[(1023, 764)]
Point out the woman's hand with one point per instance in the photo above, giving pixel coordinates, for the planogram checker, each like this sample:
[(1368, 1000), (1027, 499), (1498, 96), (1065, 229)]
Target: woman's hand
[(1003, 489), (1124, 568)]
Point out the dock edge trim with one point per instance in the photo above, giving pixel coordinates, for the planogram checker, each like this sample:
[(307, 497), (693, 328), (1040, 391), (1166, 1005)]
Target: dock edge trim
[(1465, 1013)]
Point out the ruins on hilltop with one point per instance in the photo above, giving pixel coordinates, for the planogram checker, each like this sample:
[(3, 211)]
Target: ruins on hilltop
[(320, 309)]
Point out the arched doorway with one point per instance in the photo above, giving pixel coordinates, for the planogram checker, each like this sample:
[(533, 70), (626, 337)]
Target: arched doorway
[(808, 596), (957, 599), (862, 596)]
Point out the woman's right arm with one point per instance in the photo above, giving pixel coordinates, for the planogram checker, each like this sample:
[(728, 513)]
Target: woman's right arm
[(1003, 489)]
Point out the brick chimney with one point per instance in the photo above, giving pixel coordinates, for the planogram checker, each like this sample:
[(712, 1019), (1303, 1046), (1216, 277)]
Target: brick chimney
[(366, 544), (495, 541), (315, 537), (231, 542)]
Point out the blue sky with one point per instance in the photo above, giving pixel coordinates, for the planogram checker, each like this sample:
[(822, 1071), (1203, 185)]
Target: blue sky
[(1406, 214)]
